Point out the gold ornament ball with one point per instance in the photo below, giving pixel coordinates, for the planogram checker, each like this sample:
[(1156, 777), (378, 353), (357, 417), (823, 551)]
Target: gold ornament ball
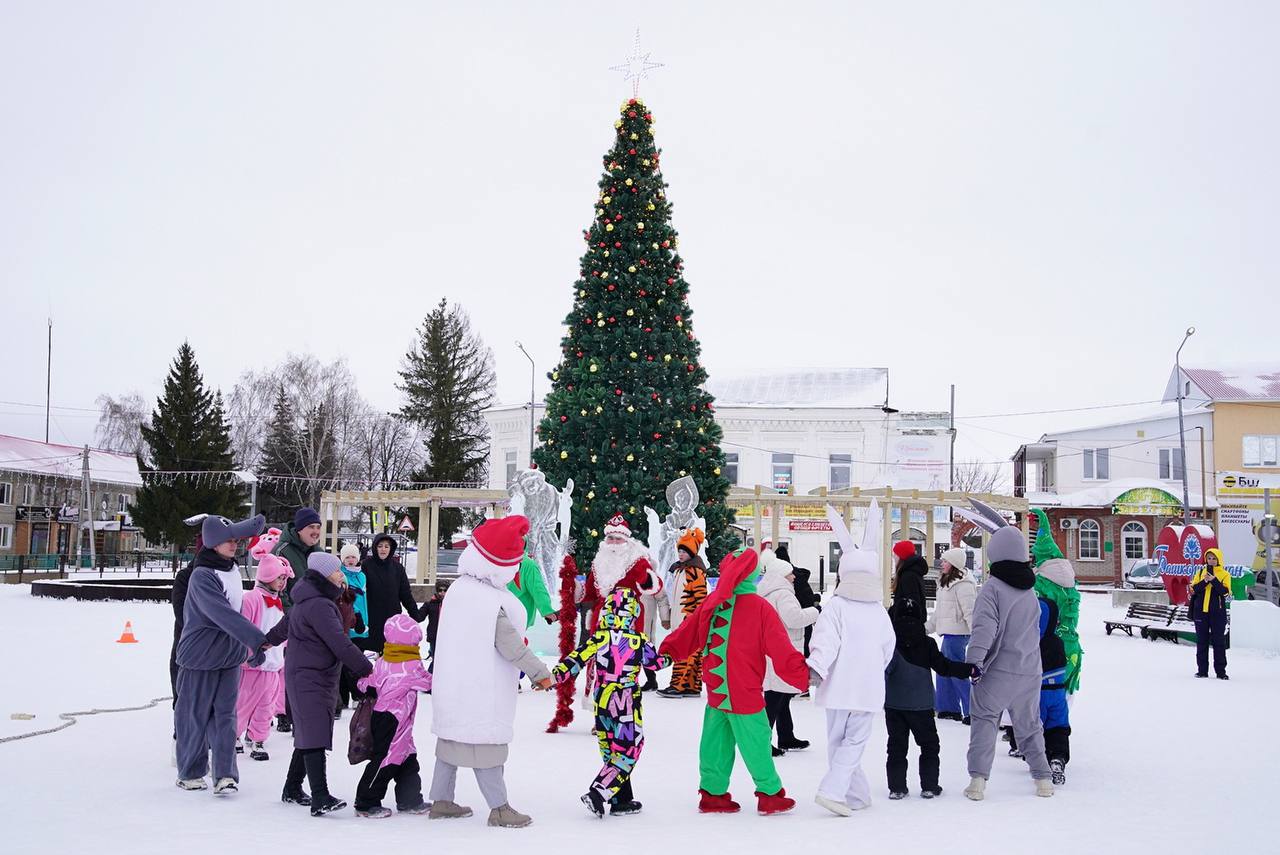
[(582, 292), (630, 409), (618, 124), (594, 368), (678, 423), (635, 137), (666, 357), (598, 410), (593, 460), (591, 495), (653, 207), (627, 182), (606, 253), (564, 455), (631, 269), (640, 226), (599, 323), (582, 412), (608, 199), (631, 458), (599, 314), (604, 275), (595, 533), (634, 354), (682, 473), (630, 312), (700, 430), (655, 246), (608, 227), (555, 375), (599, 212), (716, 470), (631, 510), (644, 162)]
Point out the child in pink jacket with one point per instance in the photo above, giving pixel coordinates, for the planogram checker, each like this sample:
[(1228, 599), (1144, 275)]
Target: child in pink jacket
[(261, 687), (398, 676)]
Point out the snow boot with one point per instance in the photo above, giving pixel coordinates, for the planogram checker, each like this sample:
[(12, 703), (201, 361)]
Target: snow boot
[(257, 751), (1059, 772), (1200, 676), (378, 812), (594, 803), (508, 817), (1223, 677), (778, 752), (717, 804), (240, 746), (192, 784), (897, 795), (284, 724), (1017, 752), (1044, 788), (627, 808), (977, 789), (295, 796), (767, 805), (793, 744), (839, 808), (417, 810), (448, 810), (966, 721), (326, 804), (225, 787)]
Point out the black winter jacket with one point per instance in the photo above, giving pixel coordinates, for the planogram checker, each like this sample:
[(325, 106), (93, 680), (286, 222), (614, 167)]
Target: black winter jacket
[(908, 591), (386, 591)]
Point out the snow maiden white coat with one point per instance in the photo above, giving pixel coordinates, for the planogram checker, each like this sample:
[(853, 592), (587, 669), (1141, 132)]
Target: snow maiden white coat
[(781, 594)]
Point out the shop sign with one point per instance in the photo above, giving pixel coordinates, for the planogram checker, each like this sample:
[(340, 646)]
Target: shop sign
[(1147, 502), (808, 525), (35, 513)]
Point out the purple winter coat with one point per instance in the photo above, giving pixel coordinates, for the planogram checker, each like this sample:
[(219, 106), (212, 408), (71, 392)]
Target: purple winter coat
[(318, 648)]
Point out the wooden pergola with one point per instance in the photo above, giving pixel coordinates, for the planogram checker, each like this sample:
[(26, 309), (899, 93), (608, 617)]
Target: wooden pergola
[(428, 502), (845, 501)]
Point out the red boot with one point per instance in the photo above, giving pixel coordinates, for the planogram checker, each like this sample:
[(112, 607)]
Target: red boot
[(776, 803), (718, 804)]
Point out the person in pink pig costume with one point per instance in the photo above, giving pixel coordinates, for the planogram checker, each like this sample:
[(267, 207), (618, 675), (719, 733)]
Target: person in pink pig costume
[(262, 686), (398, 676)]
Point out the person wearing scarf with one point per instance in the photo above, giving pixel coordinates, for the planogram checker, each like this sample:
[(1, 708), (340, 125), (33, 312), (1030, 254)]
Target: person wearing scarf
[(261, 686), (398, 677)]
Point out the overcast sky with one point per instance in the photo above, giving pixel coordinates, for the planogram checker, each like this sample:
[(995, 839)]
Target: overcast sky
[(1029, 200)]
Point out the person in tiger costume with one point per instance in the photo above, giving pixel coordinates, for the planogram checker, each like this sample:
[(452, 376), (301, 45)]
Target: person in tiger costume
[(689, 577)]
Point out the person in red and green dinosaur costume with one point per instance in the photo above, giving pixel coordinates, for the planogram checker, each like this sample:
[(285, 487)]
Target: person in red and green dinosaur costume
[(735, 629)]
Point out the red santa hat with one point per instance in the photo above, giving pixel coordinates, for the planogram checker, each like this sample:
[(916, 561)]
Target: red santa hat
[(617, 524), (501, 541)]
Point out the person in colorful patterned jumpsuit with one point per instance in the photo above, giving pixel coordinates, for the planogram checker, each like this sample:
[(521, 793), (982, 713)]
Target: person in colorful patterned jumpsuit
[(620, 653)]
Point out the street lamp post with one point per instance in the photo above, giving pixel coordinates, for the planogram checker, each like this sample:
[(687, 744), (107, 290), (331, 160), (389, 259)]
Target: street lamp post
[(533, 374), (1182, 436)]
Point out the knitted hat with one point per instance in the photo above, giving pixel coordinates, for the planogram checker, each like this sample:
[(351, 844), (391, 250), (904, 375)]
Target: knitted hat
[(691, 541), (216, 530), (1007, 544), (305, 517), (324, 563), (617, 524), (501, 541), (956, 557), (349, 549), (1044, 547), (904, 549)]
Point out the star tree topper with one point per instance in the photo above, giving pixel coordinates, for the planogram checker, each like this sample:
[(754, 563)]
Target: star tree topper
[(636, 67)]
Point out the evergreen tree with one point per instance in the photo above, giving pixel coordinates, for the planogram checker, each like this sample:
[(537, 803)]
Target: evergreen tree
[(447, 378), (188, 433), (278, 498), (628, 412)]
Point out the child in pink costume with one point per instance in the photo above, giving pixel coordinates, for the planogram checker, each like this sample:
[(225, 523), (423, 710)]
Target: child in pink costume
[(262, 687), (398, 676)]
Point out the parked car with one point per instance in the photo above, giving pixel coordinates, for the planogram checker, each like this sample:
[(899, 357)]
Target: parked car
[(1258, 590), (1144, 575)]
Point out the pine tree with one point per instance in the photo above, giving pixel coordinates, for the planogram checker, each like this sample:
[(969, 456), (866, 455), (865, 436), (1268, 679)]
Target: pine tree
[(188, 433), (278, 498), (447, 378), (628, 411)]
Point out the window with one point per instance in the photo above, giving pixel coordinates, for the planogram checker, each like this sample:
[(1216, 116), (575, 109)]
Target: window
[(6, 536), (122, 504), (1097, 464), (28, 494), (784, 466), (841, 467), (6, 493), (1259, 450), (510, 458), (1134, 538), (1090, 541), (1171, 464), (731, 467)]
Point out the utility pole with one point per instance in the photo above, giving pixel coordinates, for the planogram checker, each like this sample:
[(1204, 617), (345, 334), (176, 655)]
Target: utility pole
[(951, 460), (86, 511), (1182, 436), (48, 382), (533, 375)]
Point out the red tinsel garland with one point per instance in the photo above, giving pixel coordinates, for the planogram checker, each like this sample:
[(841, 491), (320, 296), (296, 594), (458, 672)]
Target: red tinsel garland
[(568, 615)]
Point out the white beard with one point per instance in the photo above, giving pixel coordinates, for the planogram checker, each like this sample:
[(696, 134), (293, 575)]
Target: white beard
[(613, 561)]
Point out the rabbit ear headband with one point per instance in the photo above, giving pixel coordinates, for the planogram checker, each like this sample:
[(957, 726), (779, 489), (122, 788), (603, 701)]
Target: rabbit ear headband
[(983, 516), (875, 521)]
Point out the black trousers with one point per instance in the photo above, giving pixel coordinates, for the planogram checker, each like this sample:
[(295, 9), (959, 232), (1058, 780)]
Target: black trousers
[(919, 724), (1211, 631), (311, 764), (1057, 744), (346, 687), (376, 778), (777, 706)]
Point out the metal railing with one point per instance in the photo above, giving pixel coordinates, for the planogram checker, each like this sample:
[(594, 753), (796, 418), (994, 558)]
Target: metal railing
[(16, 568)]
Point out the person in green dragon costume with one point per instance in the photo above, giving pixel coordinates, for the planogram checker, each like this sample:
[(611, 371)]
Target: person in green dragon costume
[(1056, 582)]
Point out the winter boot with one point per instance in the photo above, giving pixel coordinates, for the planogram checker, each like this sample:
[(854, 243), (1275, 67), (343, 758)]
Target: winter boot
[(1059, 772), (793, 744), (776, 803), (284, 724), (931, 792), (193, 784), (594, 803), (778, 752), (240, 745), (417, 810), (258, 751), (448, 810), (977, 789), (966, 721), (322, 801), (508, 817), (295, 796), (628, 808), (378, 812), (326, 804), (225, 787), (1044, 788), (839, 808), (717, 804), (897, 795), (1014, 751)]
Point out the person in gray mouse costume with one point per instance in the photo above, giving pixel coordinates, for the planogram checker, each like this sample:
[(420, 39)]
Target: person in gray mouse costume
[(1005, 647)]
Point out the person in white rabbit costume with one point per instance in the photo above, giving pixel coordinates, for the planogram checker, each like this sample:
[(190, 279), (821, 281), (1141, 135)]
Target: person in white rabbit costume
[(852, 644)]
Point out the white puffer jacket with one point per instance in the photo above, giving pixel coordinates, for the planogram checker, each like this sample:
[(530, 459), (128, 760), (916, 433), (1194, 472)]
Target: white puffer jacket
[(953, 610), (781, 594)]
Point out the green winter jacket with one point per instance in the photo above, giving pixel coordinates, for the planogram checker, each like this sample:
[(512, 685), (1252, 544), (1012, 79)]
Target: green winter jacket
[(293, 550), (531, 591), (1057, 584)]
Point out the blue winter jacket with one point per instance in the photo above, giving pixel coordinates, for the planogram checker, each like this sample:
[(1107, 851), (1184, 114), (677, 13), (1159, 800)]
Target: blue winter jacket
[(358, 584)]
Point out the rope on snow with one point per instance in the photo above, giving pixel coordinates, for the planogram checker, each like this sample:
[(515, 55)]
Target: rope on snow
[(69, 718)]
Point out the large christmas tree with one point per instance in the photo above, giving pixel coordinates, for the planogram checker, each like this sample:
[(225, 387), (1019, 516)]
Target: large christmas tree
[(628, 411)]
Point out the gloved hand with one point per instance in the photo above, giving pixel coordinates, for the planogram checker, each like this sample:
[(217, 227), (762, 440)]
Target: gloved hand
[(259, 656), (551, 618), (975, 675)]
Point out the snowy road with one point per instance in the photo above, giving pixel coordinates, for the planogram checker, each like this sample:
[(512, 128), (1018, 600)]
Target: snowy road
[(1156, 755)]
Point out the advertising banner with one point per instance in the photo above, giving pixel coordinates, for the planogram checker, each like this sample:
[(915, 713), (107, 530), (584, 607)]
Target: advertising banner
[(920, 462), (1240, 513)]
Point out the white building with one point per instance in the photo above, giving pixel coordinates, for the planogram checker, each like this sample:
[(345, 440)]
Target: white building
[(803, 430)]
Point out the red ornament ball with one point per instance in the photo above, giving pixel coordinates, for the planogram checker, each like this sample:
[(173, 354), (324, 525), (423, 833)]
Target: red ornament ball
[(631, 114), (657, 436), (613, 489), (617, 244), (671, 281), (610, 287), (631, 151), (617, 391), (564, 419)]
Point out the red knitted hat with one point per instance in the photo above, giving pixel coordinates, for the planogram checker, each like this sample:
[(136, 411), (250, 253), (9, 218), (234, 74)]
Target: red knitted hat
[(904, 549), (501, 541)]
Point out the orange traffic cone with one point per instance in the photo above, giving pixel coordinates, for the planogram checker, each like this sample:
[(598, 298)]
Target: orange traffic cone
[(126, 637)]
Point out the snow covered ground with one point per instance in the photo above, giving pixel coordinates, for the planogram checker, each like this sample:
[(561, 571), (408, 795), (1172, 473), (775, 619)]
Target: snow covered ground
[(1157, 756)]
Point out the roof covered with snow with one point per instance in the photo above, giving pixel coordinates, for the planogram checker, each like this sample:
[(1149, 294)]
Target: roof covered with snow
[(1104, 495), (804, 387), (33, 457), (1244, 382)]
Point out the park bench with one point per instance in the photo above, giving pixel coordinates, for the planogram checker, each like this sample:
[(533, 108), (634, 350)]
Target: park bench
[(1140, 616)]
